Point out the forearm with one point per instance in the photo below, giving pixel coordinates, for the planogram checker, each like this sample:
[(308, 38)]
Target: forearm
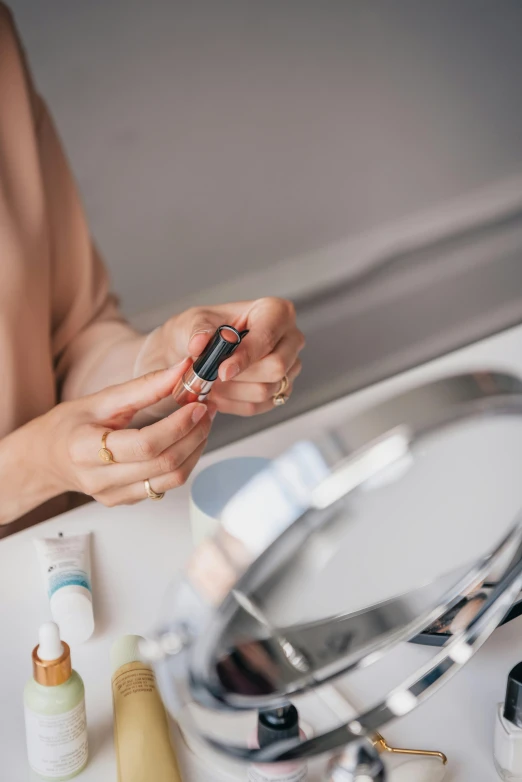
[(110, 362), (123, 358), (25, 483)]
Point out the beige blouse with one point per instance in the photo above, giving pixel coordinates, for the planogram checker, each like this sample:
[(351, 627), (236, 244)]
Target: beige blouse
[(56, 313)]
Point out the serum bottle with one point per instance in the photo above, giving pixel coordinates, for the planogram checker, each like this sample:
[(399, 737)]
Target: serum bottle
[(54, 700), (508, 730)]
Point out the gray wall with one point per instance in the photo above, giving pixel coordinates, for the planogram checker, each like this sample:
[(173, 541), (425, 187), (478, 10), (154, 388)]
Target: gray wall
[(210, 138)]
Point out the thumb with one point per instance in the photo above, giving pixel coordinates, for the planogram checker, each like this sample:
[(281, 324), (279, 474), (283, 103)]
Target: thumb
[(199, 329), (117, 405)]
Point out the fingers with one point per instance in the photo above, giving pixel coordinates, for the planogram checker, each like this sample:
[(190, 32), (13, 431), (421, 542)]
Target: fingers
[(96, 477), (166, 463), (268, 321), (116, 406), (279, 363), (194, 328), (273, 335), (246, 407), (135, 492), (138, 445), (257, 392)]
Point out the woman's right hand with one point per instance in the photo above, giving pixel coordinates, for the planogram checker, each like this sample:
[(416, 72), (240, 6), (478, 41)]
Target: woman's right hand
[(165, 452)]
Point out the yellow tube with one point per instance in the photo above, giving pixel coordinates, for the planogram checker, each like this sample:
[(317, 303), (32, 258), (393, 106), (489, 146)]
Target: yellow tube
[(141, 732)]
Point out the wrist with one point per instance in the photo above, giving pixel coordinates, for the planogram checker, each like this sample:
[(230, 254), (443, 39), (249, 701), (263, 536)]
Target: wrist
[(45, 460), (151, 355), (24, 466)]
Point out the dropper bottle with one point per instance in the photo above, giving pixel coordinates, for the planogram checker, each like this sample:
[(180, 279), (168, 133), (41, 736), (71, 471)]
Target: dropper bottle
[(54, 700)]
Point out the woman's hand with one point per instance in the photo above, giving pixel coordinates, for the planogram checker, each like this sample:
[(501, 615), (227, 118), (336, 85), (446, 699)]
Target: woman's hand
[(250, 378), (165, 453)]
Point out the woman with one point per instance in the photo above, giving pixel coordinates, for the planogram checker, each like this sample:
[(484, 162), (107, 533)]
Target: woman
[(63, 341)]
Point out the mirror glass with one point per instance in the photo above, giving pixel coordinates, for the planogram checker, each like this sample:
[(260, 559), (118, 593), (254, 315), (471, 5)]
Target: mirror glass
[(397, 548), (455, 502)]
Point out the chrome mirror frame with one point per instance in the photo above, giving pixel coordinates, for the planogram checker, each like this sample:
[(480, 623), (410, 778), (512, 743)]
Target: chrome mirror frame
[(300, 495)]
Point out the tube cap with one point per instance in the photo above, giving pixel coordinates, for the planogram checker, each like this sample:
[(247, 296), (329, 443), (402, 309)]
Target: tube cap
[(72, 611), (277, 724), (124, 650), (221, 346), (513, 702)]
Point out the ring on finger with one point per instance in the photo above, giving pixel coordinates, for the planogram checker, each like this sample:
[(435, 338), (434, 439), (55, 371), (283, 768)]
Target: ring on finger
[(280, 398), (105, 454), (151, 494), (283, 386)]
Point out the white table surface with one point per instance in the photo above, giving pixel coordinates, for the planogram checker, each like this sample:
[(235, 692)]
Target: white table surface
[(137, 551)]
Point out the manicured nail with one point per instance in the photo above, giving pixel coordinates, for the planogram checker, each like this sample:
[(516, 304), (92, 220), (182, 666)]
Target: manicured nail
[(231, 371), (212, 414), (179, 363), (198, 413), (198, 332)]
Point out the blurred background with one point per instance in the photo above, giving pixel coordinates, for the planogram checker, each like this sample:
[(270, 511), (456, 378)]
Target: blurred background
[(361, 158)]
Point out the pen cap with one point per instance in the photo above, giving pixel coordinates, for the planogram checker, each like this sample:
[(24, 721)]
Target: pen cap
[(221, 346), (513, 702)]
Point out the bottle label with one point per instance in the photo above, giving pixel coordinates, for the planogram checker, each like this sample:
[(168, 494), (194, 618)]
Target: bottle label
[(64, 576), (277, 773), (57, 743)]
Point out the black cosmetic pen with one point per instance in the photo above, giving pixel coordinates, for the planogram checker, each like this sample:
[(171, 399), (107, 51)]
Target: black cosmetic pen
[(198, 380)]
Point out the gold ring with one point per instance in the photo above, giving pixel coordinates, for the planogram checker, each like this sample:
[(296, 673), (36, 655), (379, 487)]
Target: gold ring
[(283, 386), (105, 453), (151, 494), (280, 398)]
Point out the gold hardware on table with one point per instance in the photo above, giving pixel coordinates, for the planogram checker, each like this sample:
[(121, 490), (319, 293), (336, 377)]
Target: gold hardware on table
[(382, 746)]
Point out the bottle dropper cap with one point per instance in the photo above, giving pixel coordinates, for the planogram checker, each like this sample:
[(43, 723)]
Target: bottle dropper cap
[(221, 346), (277, 725), (513, 702), (51, 658)]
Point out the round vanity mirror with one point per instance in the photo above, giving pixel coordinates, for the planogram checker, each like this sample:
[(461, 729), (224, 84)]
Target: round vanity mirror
[(340, 551)]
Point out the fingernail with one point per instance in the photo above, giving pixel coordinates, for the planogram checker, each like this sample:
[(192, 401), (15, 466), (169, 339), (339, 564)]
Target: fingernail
[(198, 332), (212, 414), (198, 413), (178, 363), (231, 371)]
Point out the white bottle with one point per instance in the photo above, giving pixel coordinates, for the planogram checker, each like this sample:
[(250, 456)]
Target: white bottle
[(508, 730), (54, 700)]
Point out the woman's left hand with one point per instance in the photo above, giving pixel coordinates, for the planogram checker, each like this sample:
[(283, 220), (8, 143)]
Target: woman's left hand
[(250, 378)]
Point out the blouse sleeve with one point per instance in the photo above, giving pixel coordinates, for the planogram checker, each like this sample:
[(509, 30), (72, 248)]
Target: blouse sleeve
[(92, 345), (86, 321)]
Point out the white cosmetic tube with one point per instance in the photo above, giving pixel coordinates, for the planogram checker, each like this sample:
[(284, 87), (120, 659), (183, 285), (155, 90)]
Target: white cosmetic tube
[(66, 567)]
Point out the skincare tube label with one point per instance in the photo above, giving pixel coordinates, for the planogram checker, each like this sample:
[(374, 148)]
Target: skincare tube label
[(65, 562), (57, 744), (141, 730)]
